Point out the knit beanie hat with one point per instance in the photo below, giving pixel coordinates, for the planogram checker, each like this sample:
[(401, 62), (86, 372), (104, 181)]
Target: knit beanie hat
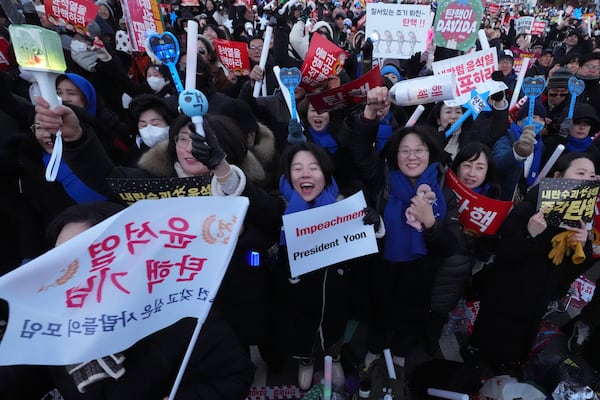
[(391, 69), (559, 78), (538, 110)]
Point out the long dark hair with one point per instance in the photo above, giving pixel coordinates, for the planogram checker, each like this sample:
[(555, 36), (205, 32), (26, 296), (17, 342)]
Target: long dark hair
[(471, 152), (564, 162)]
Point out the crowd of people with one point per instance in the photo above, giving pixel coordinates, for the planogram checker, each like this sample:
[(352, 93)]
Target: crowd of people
[(119, 118)]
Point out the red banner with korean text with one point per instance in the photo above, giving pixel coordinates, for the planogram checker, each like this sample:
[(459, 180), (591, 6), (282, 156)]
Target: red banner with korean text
[(73, 15), (322, 60), (142, 17), (479, 215), (233, 56), (493, 9), (348, 94), (539, 27)]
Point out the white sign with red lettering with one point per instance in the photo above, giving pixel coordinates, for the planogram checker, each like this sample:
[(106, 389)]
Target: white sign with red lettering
[(137, 272), (327, 235)]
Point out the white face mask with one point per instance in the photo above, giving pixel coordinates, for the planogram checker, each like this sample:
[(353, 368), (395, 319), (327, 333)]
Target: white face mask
[(78, 46), (153, 134), (156, 83)]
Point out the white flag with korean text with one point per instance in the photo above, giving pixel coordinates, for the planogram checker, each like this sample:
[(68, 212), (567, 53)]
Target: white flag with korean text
[(137, 272)]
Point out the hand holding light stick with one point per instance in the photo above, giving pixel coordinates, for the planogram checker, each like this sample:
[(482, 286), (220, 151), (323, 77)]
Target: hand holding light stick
[(263, 59)]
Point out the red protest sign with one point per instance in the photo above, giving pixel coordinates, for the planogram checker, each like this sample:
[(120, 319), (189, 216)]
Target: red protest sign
[(493, 9), (141, 17), (479, 215), (233, 56), (73, 15), (322, 60), (350, 93), (538, 27), (7, 56)]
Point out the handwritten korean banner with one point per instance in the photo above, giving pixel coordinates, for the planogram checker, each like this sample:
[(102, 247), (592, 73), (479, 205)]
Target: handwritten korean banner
[(233, 55), (73, 15), (348, 94), (568, 201), (141, 17), (131, 190), (479, 215), (322, 60), (399, 30), (457, 23), (326, 235), (472, 71), (121, 280)]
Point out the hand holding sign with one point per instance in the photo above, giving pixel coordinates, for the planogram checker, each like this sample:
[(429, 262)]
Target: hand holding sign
[(576, 87), (291, 78), (166, 49), (477, 104), (40, 52)]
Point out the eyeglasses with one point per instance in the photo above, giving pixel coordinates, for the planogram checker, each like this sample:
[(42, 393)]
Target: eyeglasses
[(202, 51), (591, 67), (557, 94), (182, 141), (255, 48), (419, 153)]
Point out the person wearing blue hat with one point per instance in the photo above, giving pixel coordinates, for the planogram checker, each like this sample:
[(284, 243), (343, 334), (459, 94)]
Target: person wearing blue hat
[(392, 73)]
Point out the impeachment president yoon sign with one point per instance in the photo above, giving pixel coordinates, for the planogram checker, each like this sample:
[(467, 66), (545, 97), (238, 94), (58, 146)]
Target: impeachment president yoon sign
[(326, 235), (142, 270)]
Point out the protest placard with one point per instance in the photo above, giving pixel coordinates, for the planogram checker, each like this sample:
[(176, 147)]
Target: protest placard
[(121, 280), (130, 190), (142, 17), (233, 56), (322, 60), (479, 215), (398, 30), (73, 15), (456, 23), (568, 201), (326, 235)]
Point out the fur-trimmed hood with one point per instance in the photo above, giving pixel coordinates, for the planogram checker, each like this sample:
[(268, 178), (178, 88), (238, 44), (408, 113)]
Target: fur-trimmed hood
[(157, 161)]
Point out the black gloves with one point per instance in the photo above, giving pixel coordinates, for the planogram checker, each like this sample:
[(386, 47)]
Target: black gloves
[(295, 134), (499, 77), (207, 150), (371, 217), (367, 49)]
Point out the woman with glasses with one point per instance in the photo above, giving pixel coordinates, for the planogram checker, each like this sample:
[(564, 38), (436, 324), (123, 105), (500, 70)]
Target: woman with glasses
[(421, 222), (589, 72)]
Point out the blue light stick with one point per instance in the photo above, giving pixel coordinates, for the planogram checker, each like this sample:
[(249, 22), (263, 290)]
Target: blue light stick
[(166, 49), (576, 87), (532, 88)]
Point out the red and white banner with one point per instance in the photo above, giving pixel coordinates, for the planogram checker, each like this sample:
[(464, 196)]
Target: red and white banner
[(73, 15), (479, 215), (233, 56), (137, 272), (348, 94), (322, 60), (142, 18)]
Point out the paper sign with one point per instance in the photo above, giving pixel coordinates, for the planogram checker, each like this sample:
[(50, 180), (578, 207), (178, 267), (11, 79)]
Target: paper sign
[(130, 190), (539, 27), (142, 17), (121, 280), (472, 71), (568, 201), (327, 235), (398, 30), (233, 55), (479, 215), (73, 15), (348, 94), (457, 23), (322, 60), (524, 25)]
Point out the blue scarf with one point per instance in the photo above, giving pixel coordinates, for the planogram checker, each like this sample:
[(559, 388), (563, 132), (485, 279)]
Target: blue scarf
[(296, 203), (324, 139), (482, 190), (402, 241), (575, 145), (74, 187), (384, 131), (537, 151)]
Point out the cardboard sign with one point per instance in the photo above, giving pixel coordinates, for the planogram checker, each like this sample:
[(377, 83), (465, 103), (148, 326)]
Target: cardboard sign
[(322, 60), (479, 215), (348, 94), (73, 15), (398, 30), (322, 236), (142, 17), (129, 191), (568, 201), (121, 280), (472, 71), (456, 23), (233, 55)]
